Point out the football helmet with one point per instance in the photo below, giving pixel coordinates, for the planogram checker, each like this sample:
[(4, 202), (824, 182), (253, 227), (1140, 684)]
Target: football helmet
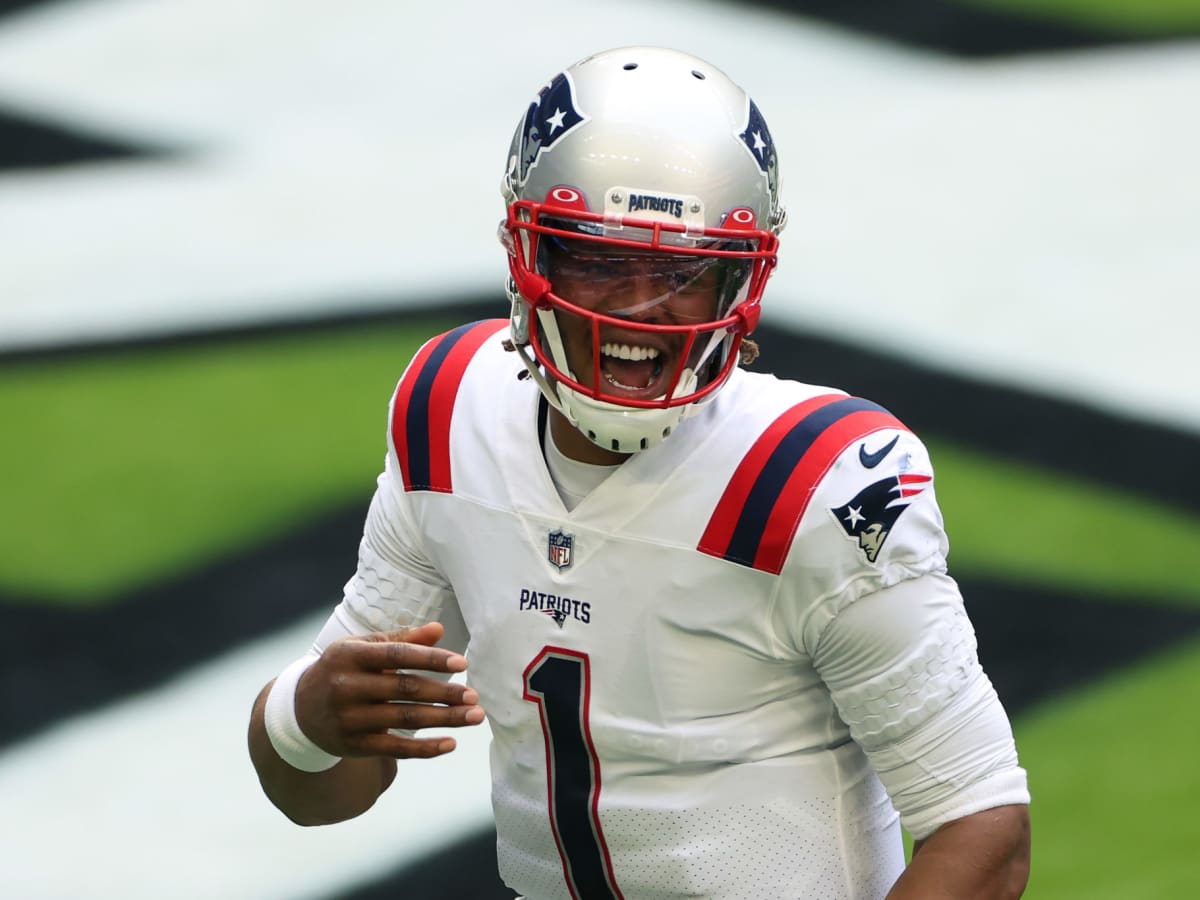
[(642, 192)]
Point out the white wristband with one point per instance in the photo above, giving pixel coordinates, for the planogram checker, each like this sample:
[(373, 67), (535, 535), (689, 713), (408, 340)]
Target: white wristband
[(292, 744)]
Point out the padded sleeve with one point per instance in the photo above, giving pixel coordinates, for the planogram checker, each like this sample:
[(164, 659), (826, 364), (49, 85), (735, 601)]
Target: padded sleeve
[(902, 667), (394, 585)]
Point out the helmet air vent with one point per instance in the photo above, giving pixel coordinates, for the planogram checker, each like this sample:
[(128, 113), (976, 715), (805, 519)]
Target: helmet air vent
[(629, 67), (697, 74)]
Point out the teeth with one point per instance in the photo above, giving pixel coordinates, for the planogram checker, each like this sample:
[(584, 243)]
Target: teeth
[(625, 351)]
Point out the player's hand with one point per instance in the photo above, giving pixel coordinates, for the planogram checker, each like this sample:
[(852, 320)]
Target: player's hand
[(348, 700)]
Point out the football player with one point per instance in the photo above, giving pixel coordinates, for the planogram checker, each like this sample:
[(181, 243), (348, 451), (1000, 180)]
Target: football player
[(707, 611)]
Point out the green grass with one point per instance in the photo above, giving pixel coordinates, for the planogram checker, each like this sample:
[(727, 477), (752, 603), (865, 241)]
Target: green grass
[(1147, 17), (132, 466), (1005, 519), (1115, 784)]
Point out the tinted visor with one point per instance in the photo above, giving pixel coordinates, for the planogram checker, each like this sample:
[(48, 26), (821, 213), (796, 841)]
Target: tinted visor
[(653, 284)]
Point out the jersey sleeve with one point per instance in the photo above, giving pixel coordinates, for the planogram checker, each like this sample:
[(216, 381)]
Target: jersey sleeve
[(871, 521), (866, 596), (394, 585), (902, 668)]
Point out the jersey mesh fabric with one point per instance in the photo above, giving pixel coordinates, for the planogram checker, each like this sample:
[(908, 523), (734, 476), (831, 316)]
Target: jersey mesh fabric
[(740, 853)]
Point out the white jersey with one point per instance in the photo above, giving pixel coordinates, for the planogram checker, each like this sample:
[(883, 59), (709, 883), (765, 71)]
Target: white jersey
[(650, 661)]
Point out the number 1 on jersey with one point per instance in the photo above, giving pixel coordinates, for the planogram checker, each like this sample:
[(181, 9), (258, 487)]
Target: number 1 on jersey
[(559, 682)]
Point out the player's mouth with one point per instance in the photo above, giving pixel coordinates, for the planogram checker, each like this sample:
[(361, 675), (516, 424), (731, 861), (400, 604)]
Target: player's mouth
[(633, 370)]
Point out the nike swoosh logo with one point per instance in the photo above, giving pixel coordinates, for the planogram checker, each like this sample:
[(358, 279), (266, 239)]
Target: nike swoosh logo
[(871, 460)]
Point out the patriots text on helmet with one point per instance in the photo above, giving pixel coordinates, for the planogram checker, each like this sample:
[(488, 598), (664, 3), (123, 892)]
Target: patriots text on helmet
[(669, 205)]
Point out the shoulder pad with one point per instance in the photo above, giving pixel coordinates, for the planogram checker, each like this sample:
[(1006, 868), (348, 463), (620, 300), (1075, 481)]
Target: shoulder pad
[(758, 514), (424, 403)]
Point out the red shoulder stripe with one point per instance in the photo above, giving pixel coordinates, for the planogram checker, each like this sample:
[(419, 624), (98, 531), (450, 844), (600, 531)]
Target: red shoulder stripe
[(758, 514), (785, 517), (729, 510), (424, 405)]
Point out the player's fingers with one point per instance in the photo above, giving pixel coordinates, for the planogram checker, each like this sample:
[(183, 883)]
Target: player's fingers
[(407, 717), (409, 686), (378, 655), (402, 747)]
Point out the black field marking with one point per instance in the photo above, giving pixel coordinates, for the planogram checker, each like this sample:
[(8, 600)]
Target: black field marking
[(8, 7), (1037, 644), (446, 316), (56, 662), (463, 870), (26, 143)]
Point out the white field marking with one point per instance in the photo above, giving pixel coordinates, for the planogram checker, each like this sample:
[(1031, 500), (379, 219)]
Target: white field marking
[(1034, 222), (324, 157), (155, 797), (1031, 219)]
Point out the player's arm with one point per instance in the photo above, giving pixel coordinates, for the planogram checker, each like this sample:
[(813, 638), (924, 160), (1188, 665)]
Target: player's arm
[(984, 855), (346, 703), (902, 667), (325, 735)]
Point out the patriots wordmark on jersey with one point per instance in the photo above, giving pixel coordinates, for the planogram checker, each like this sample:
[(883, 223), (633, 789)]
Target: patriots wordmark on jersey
[(651, 660)]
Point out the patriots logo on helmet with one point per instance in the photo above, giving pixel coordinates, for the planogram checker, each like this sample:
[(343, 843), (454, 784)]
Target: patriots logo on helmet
[(758, 141), (873, 512), (550, 116)]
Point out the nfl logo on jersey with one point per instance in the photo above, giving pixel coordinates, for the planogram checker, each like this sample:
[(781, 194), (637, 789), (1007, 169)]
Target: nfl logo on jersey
[(559, 548)]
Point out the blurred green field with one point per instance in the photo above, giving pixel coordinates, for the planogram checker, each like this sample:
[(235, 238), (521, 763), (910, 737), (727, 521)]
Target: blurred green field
[(1148, 17), (143, 463), (1113, 775)]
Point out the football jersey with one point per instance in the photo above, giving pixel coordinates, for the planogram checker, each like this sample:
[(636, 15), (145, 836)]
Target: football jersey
[(646, 659)]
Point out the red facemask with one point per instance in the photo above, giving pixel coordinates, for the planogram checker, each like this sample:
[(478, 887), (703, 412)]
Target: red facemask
[(643, 313)]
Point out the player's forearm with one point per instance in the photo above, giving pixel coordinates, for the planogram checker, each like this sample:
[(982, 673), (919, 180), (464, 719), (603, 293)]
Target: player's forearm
[(342, 792), (982, 857)]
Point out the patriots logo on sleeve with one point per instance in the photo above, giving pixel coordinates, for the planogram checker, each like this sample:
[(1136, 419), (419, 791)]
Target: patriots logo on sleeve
[(550, 116), (873, 511)]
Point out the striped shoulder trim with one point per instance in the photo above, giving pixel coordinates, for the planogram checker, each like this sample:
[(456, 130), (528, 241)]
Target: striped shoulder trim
[(756, 518), (424, 404)]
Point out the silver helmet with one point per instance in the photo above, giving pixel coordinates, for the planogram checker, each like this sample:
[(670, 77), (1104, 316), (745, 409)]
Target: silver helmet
[(643, 216)]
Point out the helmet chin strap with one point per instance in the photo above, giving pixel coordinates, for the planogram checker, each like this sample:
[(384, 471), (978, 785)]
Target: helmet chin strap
[(519, 322), (539, 377)]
